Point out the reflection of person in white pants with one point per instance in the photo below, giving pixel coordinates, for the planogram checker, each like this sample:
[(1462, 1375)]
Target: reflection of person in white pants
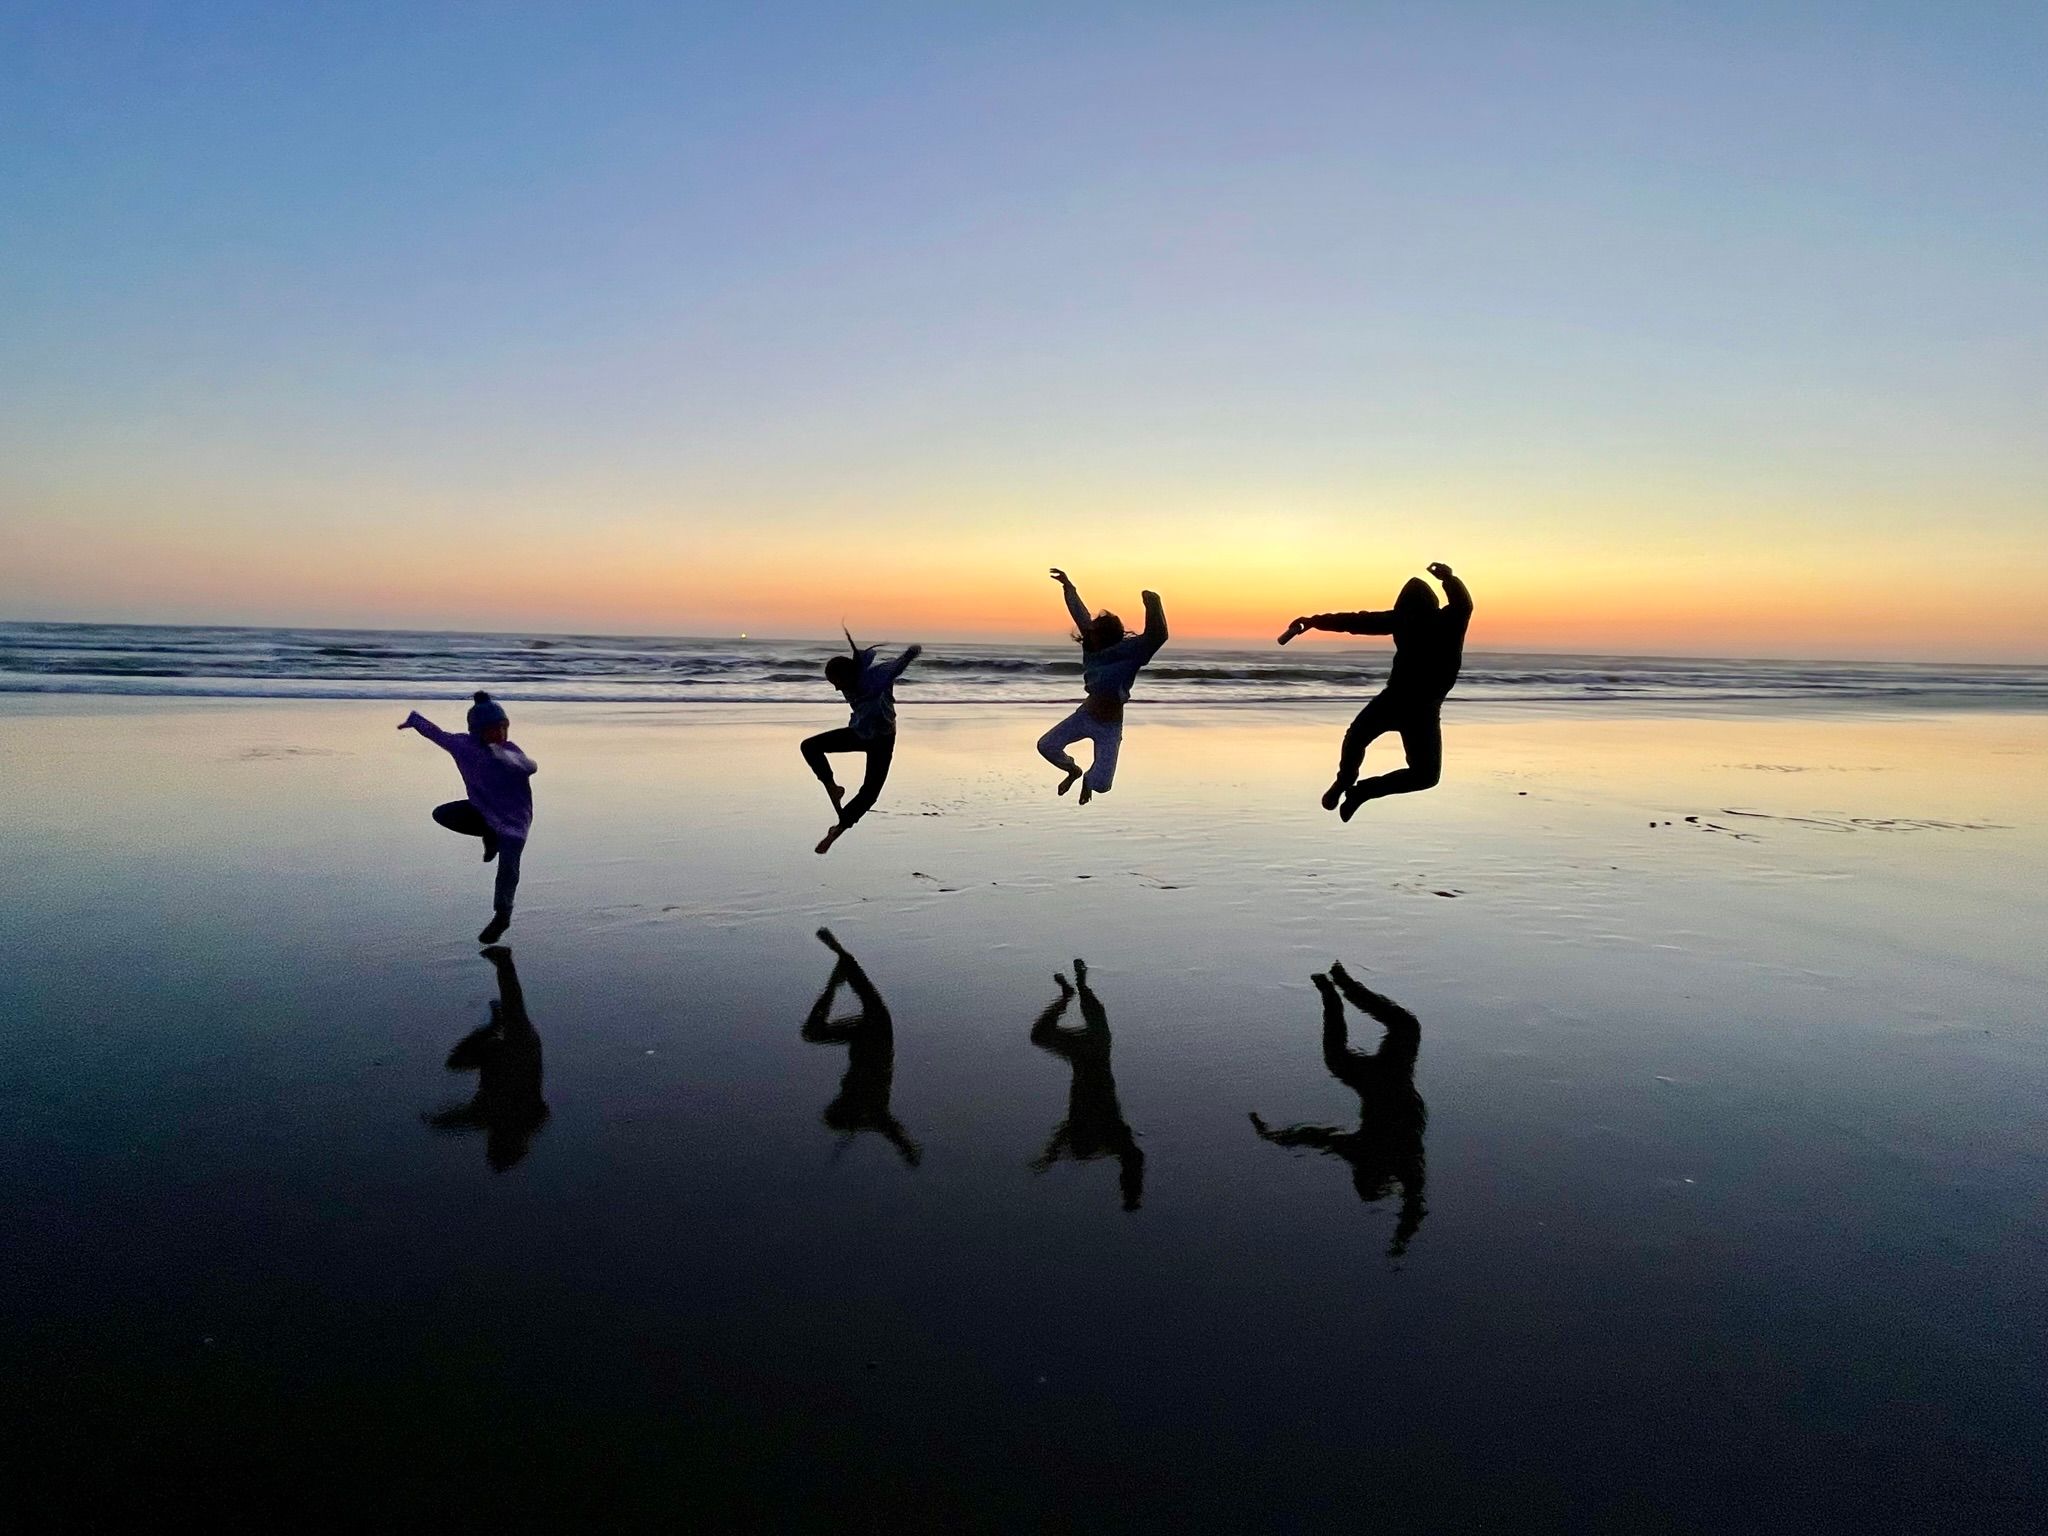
[(1110, 662)]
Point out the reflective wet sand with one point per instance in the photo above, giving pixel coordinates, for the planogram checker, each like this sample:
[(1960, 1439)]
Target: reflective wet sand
[(1708, 1195)]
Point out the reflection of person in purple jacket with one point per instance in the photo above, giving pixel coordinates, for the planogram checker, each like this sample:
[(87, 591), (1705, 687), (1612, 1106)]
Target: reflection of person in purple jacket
[(499, 810)]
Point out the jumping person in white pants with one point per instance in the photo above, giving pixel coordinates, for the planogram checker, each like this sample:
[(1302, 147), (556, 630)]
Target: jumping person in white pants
[(1110, 661)]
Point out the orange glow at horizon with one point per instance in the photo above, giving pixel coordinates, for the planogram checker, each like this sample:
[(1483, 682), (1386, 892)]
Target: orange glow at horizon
[(981, 585)]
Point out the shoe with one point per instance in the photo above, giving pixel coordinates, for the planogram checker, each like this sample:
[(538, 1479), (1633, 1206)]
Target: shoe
[(494, 930)]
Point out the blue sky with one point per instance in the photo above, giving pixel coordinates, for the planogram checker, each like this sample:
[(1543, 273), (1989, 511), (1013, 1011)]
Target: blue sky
[(317, 312)]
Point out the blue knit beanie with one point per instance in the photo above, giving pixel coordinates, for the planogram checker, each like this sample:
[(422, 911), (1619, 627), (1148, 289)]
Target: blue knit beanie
[(485, 713)]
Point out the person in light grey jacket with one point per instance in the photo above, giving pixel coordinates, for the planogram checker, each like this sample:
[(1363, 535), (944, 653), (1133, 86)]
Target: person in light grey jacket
[(1110, 663)]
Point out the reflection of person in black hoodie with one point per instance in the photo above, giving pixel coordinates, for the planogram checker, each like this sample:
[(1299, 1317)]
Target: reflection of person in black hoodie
[(870, 1041), (1095, 1125), (505, 1056), (1386, 1149), (1429, 645)]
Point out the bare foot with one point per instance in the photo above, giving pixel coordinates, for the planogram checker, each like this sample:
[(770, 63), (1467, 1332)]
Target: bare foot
[(836, 795), (1087, 793), (1070, 781), (494, 930), (1335, 793), (825, 843)]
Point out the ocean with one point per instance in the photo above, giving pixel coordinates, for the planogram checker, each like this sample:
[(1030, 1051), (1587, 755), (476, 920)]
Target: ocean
[(235, 661)]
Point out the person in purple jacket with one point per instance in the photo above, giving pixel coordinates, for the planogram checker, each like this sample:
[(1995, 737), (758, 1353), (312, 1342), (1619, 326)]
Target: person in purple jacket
[(499, 778), (1429, 647)]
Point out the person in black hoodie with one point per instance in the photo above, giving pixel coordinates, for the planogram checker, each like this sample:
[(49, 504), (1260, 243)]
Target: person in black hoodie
[(1429, 645)]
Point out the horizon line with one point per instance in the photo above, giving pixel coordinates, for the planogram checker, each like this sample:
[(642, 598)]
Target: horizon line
[(1229, 643)]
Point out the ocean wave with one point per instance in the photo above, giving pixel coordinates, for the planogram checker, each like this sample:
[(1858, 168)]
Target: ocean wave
[(158, 661)]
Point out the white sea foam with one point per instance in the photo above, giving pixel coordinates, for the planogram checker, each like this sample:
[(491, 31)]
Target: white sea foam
[(149, 660)]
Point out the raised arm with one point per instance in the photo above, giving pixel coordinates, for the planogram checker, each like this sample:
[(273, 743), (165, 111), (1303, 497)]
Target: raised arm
[(1076, 609), (1368, 621), (1460, 599), (419, 722), (1155, 623), (1046, 1033), (896, 668)]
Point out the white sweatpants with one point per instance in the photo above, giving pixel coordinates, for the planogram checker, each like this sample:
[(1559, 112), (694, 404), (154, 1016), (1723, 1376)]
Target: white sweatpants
[(1108, 735)]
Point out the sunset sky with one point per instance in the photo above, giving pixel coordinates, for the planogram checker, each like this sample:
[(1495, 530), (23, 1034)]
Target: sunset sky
[(1675, 328)]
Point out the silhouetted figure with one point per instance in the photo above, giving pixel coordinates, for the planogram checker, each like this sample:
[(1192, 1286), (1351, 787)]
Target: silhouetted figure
[(870, 1041), (1110, 662), (870, 690), (499, 810), (1386, 1149), (505, 1056), (1429, 647), (1095, 1125)]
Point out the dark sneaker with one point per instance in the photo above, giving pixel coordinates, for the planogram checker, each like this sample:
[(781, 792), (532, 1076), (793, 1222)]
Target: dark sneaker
[(494, 930)]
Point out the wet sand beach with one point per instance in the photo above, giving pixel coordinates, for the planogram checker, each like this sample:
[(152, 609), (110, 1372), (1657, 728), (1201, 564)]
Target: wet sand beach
[(1705, 1195)]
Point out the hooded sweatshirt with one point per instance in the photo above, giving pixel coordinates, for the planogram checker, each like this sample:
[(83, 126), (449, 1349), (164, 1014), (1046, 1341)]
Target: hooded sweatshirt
[(499, 778), (873, 695), (1113, 669), (1429, 642)]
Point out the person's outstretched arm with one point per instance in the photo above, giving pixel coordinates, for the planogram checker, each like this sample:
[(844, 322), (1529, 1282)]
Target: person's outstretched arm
[(1459, 598), (1076, 609), (1155, 623), (1403, 1039), (1048, 1034), (419, 722), (817, 1023), (1321, 1137), (1365, 622), (896, 668), (873, 1009)]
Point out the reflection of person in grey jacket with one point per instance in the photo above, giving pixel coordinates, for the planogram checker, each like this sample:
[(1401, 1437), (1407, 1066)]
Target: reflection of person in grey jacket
[(869, 687), (1110, 662), (1095, 1125), (1429, 647)]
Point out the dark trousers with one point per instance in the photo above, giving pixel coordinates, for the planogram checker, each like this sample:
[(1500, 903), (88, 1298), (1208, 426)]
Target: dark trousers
[(1419, 721), (880, 750), (461, 816)]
